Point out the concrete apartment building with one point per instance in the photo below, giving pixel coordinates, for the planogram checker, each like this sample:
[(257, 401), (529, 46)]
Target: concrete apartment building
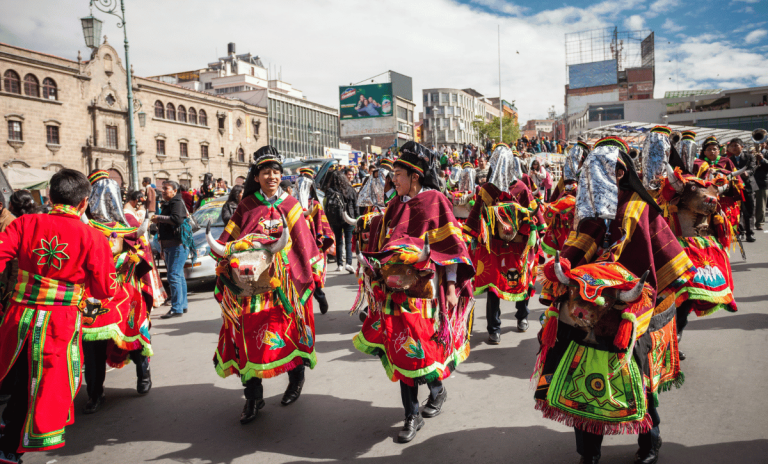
[(73, 113), (449, 113), (298, 127)]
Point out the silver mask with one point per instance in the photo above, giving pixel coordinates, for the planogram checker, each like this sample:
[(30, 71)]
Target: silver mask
[(303, 191), (454, 176), (571, 165), (467, 180), (654, 158), (598, 194), (505, 168), (372, 191), (687, 150), (106, 202)]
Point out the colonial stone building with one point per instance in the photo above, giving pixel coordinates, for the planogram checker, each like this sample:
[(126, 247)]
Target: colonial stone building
[(62, 113)]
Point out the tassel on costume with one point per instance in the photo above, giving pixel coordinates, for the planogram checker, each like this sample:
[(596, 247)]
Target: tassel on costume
[(623, 335)]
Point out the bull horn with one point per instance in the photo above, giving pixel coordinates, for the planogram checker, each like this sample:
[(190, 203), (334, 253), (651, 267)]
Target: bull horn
[(425, 251), (633, 294), (559, 270), (348, 219), (740, 171), (84, 219), (722, 189), (363, 262), (143, 228), (216, 247), (673, 180), (282, 242)]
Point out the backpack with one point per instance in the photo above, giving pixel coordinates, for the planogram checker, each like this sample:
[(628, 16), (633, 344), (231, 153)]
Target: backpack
[(334, 208)]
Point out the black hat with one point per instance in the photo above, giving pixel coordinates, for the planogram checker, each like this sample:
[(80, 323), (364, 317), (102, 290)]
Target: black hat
[(417, 158), (736, 140)]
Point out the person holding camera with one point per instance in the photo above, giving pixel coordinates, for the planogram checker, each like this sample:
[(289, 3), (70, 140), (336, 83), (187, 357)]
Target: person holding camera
[(172, 215)]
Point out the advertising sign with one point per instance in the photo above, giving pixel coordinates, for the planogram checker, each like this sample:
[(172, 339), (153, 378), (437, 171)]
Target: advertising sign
[(365, 101), (368, 126)]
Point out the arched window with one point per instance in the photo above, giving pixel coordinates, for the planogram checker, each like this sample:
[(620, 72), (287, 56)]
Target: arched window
[(240, 155), (192, 115), (108, 64), (31, 86), (159, 110), (12, 83), (170, 112), (202, 118), (49, 89), (182, 114)]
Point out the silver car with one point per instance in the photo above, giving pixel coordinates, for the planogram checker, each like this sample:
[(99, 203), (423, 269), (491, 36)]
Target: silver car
[(204, 266)]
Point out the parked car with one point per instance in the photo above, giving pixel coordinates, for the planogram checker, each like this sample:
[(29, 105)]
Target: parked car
[(204, 266)]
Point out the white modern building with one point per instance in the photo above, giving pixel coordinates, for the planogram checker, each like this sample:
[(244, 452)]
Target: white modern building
[(298, 127), (737, 109), (449, 113)]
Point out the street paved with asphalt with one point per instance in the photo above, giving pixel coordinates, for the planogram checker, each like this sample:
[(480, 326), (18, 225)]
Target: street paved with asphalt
[(350, 410)]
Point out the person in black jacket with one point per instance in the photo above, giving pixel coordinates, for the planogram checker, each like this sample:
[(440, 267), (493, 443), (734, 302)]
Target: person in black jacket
[(338, 191), (172, 215), (740, 158), (231, 205), (761, 179)]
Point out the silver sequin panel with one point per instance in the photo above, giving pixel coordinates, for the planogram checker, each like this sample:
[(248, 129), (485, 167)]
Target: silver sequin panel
[(654, 158), (598, 193), (106, 202)]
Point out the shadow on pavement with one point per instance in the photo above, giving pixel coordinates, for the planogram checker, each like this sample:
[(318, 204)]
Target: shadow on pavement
[(206, 418), (516, 362), (180, 327), (738, 320)]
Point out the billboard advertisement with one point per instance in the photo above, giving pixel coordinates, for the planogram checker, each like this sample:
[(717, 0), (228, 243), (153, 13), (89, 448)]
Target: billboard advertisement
[(368, 126), (592, 74), (365, 101)]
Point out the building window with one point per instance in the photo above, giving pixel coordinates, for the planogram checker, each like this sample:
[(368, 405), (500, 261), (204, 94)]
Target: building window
[(159, 110), (402, 113), (110, 100), (11, 82), (49, 89), (239, 123), (31, 86), (208, 86), (182, 114), (112, 137), (240, 155), (203, 118), (183, 150), (160, 147), (52, 133), (192, 115), (170, 112), (108, 64), (204, 152), (14, 131)]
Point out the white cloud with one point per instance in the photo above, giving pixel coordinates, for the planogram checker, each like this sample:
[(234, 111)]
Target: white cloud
[(755, 36), (323, 44), (747, 1), (661, 7), (635, 23), (672, 26), (500, 6)]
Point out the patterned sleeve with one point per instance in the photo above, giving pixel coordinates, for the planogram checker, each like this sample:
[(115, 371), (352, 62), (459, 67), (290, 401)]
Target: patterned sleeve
[(100, 268)]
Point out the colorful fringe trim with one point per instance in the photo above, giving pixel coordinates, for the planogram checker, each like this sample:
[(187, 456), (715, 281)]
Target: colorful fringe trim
[(593, 426), (264, 371)]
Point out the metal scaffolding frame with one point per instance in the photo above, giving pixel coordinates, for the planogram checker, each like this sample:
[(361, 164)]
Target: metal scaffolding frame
[(630, 49)]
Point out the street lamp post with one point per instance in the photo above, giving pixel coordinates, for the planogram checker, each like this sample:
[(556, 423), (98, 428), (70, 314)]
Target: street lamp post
[(368, 146), (92, 33)]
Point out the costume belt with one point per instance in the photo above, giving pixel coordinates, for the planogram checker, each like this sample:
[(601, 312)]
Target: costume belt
[(38, 290)]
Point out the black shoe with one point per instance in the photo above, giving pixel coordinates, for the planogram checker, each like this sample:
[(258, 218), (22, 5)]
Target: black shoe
[(412, 425), (751, 238), (681, 355), (251, 410), (494, 339), (522, 325), (292, 393), (589, 460), (323, 301), (649, 457), (171, 314), (434, 406), (185, 311), (363, 314), (144, 384), (94, 404), (4, 398)]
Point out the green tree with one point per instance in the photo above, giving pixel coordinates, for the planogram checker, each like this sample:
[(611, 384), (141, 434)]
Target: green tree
[(490, 130)]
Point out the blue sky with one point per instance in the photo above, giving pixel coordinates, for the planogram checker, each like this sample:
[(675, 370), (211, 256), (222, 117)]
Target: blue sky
[(321, 44)]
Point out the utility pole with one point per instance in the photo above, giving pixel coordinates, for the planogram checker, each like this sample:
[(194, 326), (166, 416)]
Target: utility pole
[(501, 112)]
